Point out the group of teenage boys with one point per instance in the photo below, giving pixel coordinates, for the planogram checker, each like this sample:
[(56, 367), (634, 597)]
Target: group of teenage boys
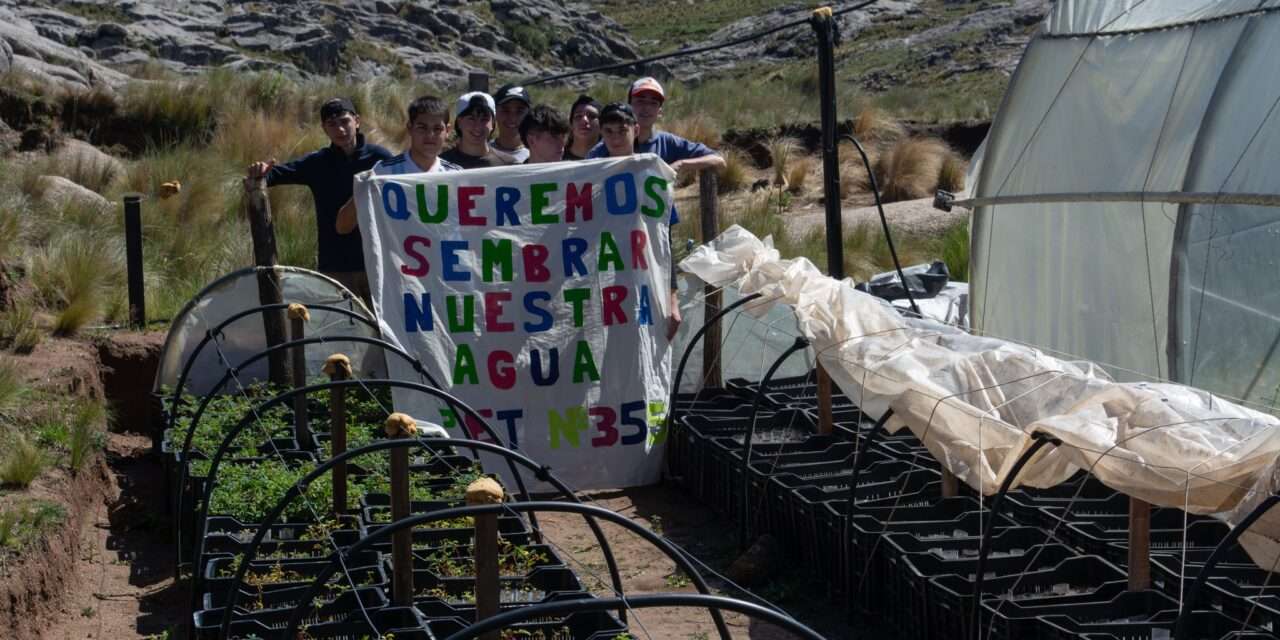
[(525, 134)]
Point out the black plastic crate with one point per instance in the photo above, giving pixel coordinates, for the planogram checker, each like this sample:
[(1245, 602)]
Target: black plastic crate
[(1114, 543), (950, 602), (1201, 625), (586, 625), (219, 574), (1230, 583), (1013, 619), (271, 612), (402, 622), (451, 598)]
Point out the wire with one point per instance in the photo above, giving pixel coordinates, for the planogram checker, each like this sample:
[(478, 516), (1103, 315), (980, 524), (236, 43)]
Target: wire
[(884, 222), (689, 52)]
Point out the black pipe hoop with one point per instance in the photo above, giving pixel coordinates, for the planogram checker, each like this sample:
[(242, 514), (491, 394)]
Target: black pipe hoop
[(714, 604), (542, 473), (216, 331), (202, 512), (682, 561), (684, 358)]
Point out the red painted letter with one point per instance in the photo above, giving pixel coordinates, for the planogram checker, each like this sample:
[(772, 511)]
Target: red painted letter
[(639, 238), (493, 312), (577, 199), (535, 263), (466, 203), (503, 377), (611, 306), (411, 251)]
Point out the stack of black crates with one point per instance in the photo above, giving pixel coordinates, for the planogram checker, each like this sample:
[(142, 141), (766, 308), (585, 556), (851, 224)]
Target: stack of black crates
[(903, 557)]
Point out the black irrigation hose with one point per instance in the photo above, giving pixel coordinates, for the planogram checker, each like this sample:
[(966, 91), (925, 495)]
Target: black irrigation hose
[(884, 222), (1229, 542), (682, 562), (984, 544), (684, 359), (712, 603), (743, 529), (211, 334), (689, 52), (542, 473)]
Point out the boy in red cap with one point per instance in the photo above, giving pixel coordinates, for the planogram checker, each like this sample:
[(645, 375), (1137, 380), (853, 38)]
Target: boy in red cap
[(646, 98)]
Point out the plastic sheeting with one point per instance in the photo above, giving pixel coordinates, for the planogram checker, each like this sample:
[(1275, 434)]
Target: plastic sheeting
[(976, 402), (238, 291), (1150, 291)]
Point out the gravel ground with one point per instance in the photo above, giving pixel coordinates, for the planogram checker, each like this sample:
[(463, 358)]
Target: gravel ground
[(914, 217)]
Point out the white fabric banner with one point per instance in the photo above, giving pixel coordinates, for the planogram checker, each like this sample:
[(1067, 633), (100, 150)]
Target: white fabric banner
[(539, 295)]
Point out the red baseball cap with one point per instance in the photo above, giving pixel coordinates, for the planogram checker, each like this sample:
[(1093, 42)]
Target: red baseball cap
[(647, 85)]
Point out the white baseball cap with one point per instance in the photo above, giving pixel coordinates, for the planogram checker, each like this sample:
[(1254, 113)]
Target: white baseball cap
[(468, 100)]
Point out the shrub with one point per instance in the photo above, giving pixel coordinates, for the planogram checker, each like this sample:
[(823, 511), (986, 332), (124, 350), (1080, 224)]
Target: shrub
[(734, 175), (780, 151), (85, 435), (27, 520), (22, 463), (18, 328), (75, 275), (952, 173), (909, 169), (12, 386), (697, 127), (873, 125), (761, 215), (798, 173)]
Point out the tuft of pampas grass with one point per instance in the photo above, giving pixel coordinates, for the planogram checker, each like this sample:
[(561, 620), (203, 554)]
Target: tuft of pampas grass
[(734, 176), (909, 169)]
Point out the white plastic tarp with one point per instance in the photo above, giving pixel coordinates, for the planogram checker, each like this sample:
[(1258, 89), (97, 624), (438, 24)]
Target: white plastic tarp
[(976, 402), (237, 292), (1139, 96)]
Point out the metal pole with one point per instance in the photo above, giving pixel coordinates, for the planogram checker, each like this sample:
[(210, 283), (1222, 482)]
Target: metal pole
[(488, 589), (338, 368), (400, 425), (133, 258), (269, 290), (709, 202), (823, 26)]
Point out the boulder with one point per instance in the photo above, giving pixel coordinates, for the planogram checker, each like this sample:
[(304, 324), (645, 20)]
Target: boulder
[(59, 192), (88, 158)]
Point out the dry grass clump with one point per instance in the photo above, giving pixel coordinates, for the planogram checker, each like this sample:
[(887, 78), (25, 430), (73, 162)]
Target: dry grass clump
[(258, 135), (798, 170), (909, 169), (780, 151), (19, 331), (697, 127), (734, 176), (952, 173), (75, 275), (22, 462), (874, 125)]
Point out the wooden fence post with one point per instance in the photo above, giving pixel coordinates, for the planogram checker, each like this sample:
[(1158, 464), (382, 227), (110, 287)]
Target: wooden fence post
[(487, 588), (400, 425), (338, 367), (709, 204), (298, 317), (263, 230)]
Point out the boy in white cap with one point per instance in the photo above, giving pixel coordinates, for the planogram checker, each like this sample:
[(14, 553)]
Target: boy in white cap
[(513, 104), (474, 124), (646, 98)]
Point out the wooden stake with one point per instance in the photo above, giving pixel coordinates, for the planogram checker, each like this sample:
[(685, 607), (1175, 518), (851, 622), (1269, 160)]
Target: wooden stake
[(709, 203), (400, 425), (487, 588), (298, 316), (338, 367), (1139, 545), (950, 484), (269, 290)]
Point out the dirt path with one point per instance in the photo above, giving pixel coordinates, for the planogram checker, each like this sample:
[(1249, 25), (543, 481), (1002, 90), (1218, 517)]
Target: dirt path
[(124, 586), (914, 217)]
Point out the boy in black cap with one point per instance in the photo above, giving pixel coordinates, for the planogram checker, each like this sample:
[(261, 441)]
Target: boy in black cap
[(473, 113), (584, 127), (543, 131), (329, 173), (512, 104)]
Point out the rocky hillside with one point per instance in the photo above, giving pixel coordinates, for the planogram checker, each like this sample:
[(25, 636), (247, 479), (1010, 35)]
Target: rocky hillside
[(80, 43)]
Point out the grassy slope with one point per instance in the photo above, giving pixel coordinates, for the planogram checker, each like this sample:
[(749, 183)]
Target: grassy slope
[(660, 25)]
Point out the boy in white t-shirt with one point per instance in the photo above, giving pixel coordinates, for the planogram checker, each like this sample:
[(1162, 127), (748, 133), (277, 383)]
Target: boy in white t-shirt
[(428, 128)]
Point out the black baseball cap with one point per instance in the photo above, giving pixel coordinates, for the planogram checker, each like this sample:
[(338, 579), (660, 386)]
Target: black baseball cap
[(334, 107), (506, 93), (618, 111)]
